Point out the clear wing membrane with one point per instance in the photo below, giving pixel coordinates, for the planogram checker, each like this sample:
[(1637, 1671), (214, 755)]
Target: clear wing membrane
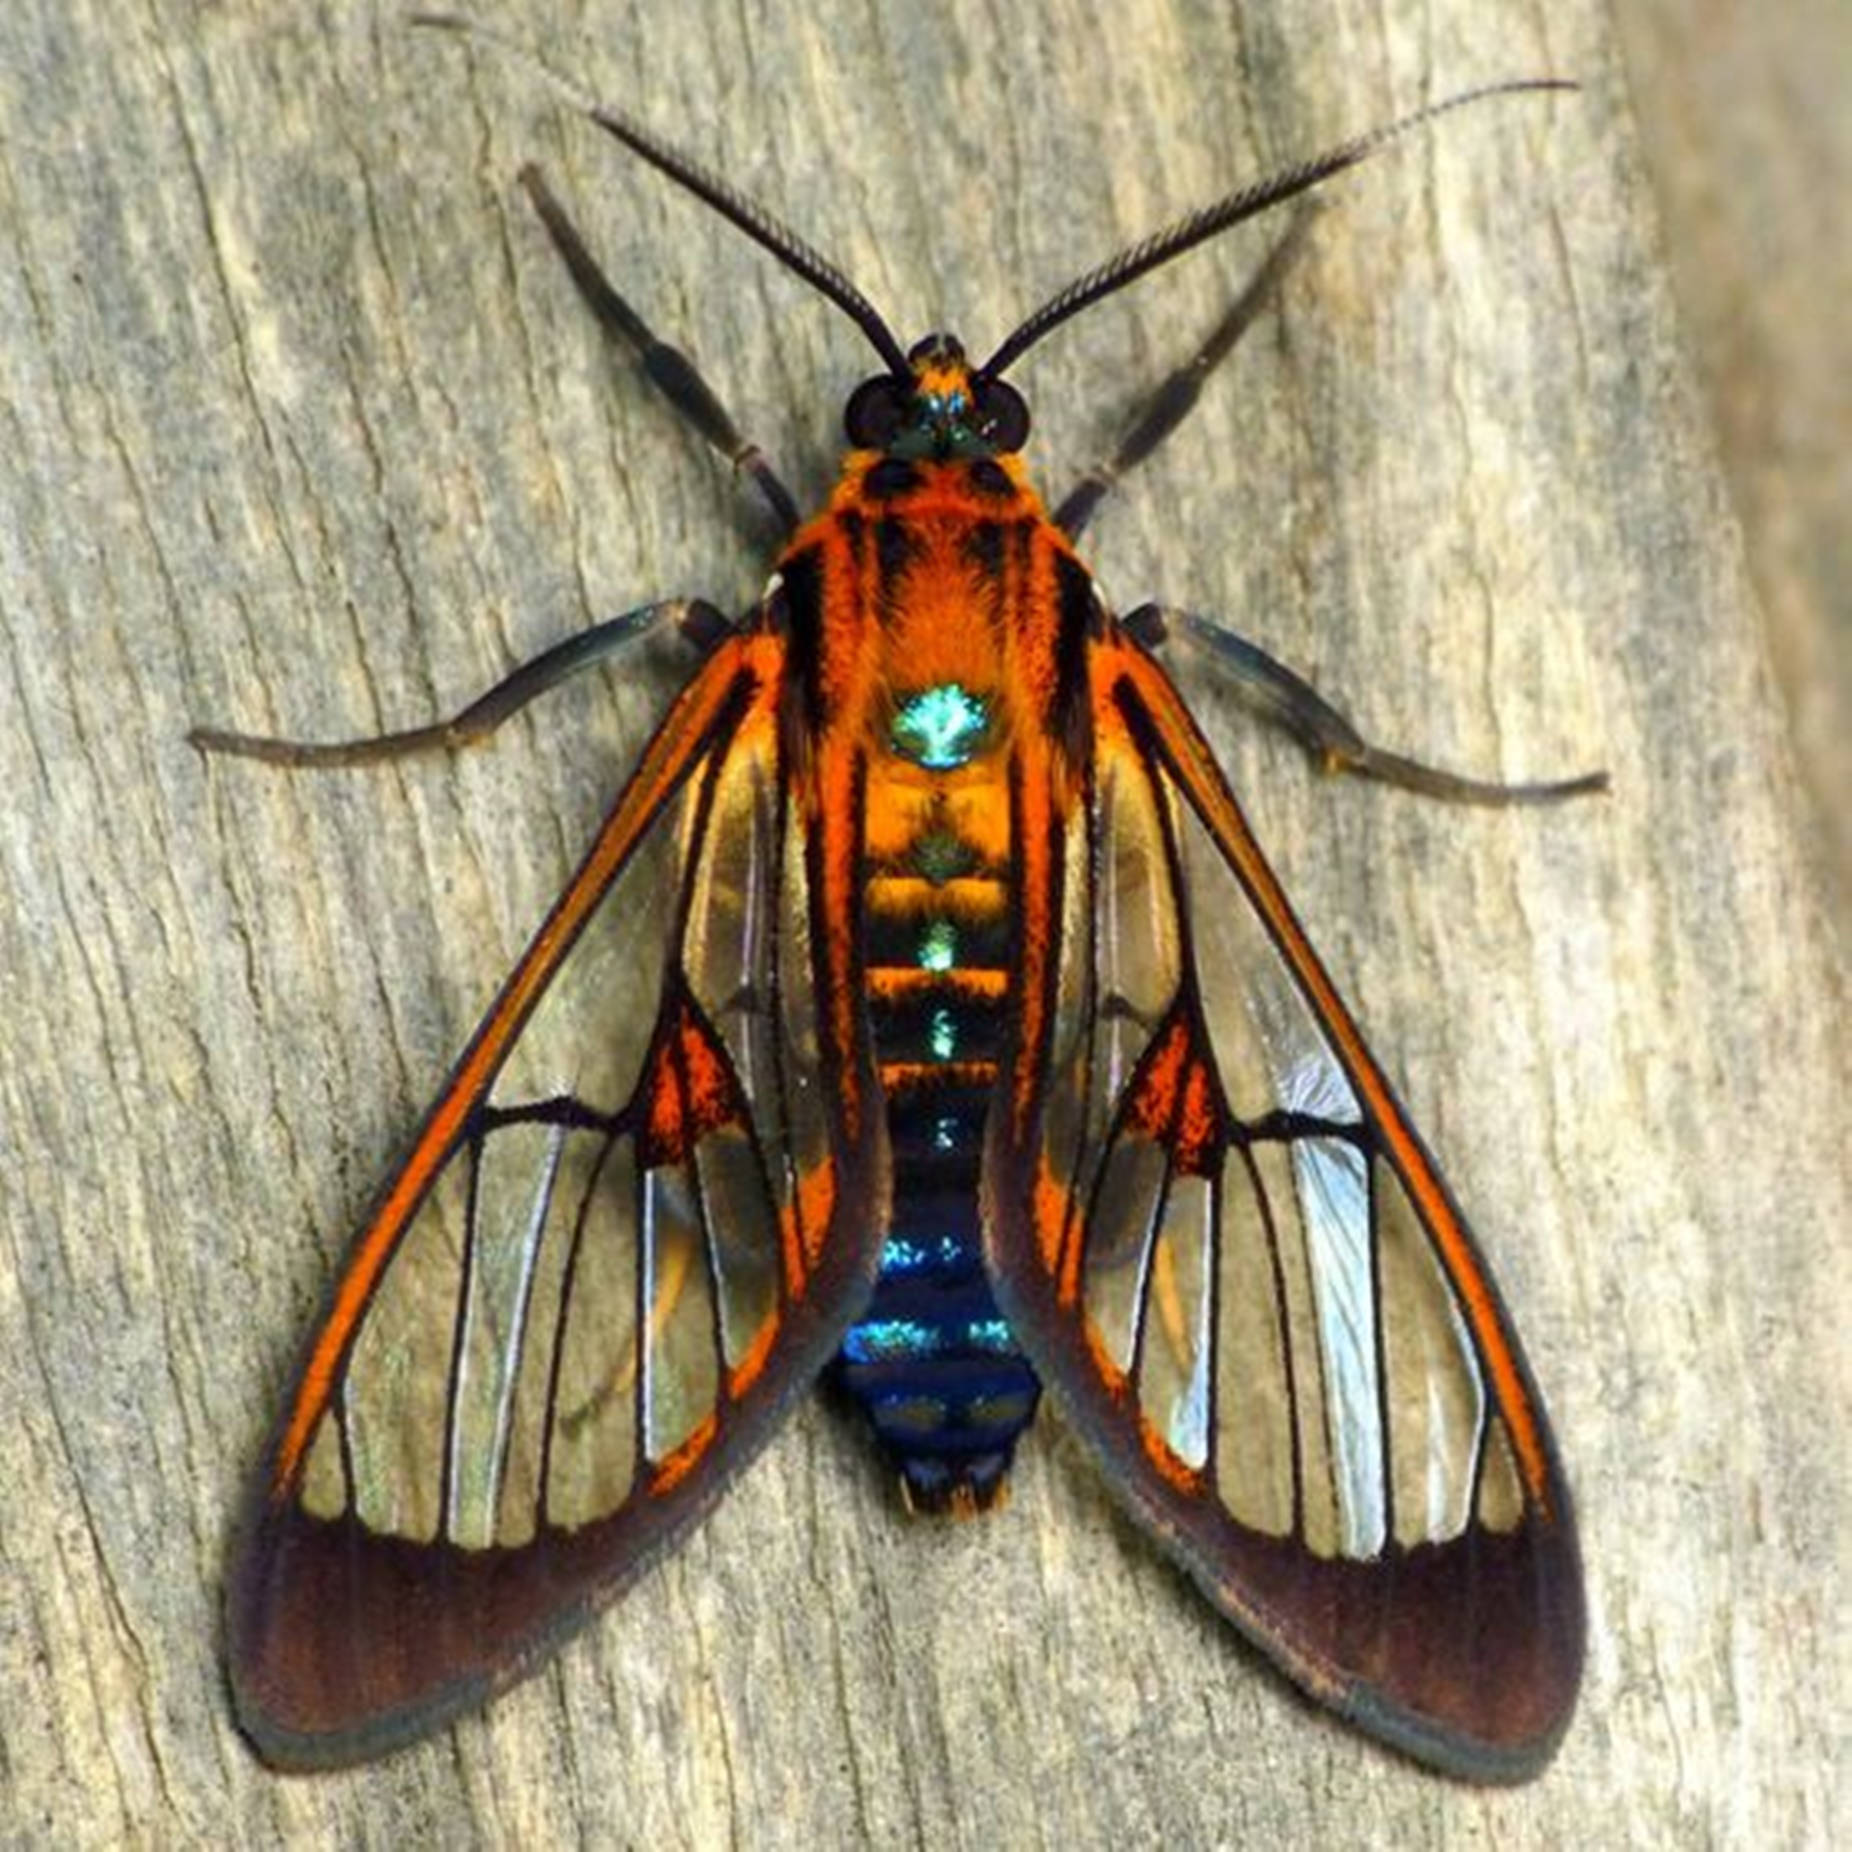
[(1227, 1249), (613, 1251)]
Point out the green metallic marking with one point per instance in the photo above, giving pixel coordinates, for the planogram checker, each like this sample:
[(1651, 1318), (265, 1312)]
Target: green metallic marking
[(940, 1253), (942, 1035), (992, 1334), (941, 727), (941, 857), (939, 946)]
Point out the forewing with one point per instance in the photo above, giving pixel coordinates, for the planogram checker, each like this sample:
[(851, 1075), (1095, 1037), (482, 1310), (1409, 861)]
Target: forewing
[(1219, 1239), (630, 1227)]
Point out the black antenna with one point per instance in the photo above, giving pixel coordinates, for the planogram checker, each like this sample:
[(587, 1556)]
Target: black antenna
[(793, 252), (1209, 221)]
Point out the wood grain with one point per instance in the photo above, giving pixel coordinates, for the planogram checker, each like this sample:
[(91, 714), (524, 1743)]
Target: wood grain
[(1749, 149), (302, 428)]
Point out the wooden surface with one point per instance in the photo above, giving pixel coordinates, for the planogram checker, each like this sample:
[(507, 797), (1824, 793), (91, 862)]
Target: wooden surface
[(1748, 142), (301, 427)]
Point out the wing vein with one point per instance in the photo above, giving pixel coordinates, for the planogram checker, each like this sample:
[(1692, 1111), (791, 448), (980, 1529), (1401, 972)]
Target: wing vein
[(516, 1339), (1385, 1425), (448, 1517)]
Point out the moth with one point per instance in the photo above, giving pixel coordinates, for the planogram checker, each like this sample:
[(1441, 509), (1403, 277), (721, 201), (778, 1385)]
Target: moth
[(984, 1054)]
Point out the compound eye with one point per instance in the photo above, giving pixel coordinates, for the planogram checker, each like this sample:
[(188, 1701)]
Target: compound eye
[(876, 411), (1002, 417)]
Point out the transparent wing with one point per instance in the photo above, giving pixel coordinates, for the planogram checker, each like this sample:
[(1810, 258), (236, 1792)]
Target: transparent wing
[(630, 1227), (1220, 1240)]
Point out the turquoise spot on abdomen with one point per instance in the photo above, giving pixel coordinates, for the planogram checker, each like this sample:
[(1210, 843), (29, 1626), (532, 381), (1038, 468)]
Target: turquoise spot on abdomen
[(942, 1035), (939, 946)]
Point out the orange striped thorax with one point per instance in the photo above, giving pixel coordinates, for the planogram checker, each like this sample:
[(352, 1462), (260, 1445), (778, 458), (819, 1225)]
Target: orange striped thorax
[(937, 613)]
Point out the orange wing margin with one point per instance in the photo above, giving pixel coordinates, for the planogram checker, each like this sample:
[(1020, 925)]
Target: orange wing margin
[(685, 734)]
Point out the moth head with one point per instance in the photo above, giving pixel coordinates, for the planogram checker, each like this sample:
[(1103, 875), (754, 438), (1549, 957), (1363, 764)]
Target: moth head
[(940, 407)]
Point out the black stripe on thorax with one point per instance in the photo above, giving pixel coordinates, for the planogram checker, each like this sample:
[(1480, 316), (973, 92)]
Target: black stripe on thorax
[(1077, 616), (800, 598)]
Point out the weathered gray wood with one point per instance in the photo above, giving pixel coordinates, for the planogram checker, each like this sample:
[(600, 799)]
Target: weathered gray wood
[(302, 427), (1749, 144)]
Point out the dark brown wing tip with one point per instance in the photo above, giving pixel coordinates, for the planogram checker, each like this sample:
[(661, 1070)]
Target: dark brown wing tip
[(343, 1645), (1465, 1655)]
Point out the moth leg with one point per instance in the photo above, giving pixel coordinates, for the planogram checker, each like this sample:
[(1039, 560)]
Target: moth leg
[(697, 619), (673, 373), (1176, 397), (1280, 695)]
